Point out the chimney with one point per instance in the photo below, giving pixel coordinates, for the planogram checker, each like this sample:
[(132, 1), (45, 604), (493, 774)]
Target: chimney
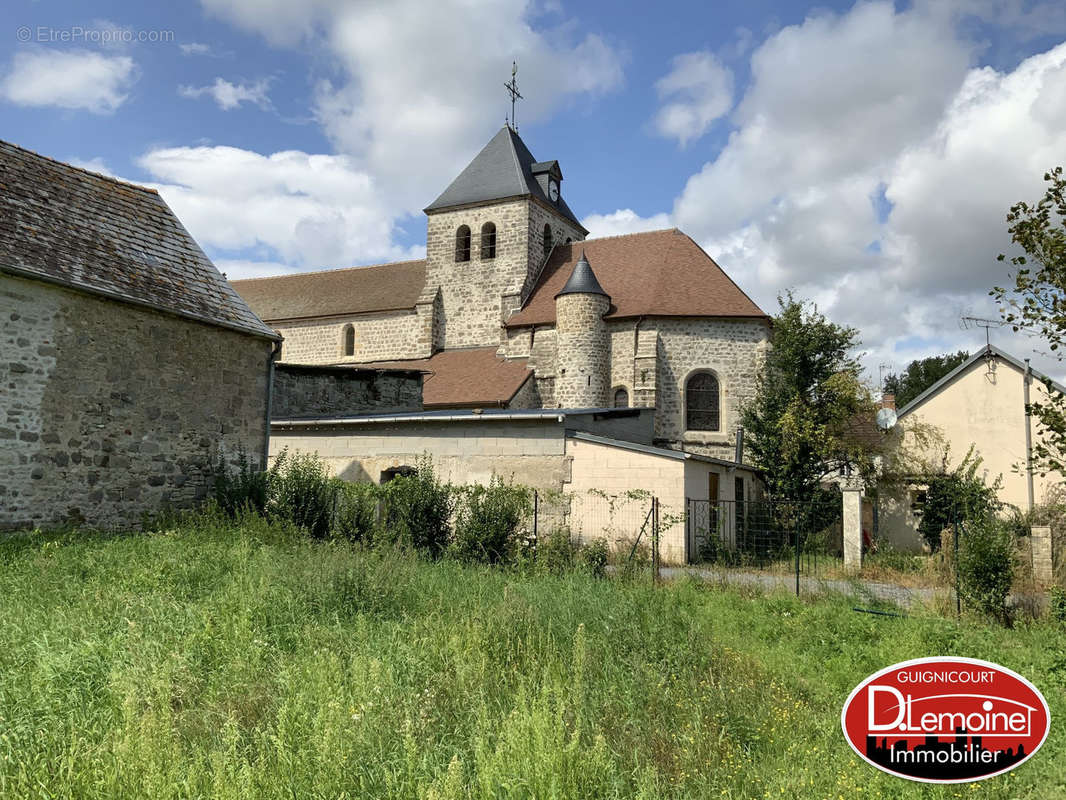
[(888, 400)]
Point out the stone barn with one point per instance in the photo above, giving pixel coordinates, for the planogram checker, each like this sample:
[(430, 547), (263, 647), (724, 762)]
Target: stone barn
[(128, 362)]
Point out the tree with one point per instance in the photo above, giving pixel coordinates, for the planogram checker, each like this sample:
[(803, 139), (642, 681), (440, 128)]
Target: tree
[(1037, 302), (920, 375), (801, 425)]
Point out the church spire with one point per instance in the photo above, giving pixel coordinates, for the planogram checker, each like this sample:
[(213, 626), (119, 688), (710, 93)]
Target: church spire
[(583, 280)]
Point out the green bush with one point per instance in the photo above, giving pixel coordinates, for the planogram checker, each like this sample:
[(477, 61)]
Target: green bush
[(956, 496), (556, 552), (986, 564), (356, 514), (418, 511), (594, 558), (488, 520), (1057, 603), (247, 489), (303, 492)]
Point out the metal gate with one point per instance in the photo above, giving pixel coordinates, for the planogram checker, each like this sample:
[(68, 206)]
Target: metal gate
[(766, 535)]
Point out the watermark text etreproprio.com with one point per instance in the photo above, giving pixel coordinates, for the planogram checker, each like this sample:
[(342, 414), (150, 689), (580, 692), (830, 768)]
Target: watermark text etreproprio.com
[(80, 34)]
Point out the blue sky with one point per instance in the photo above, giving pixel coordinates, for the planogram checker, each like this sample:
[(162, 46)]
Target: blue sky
[(863, 155)]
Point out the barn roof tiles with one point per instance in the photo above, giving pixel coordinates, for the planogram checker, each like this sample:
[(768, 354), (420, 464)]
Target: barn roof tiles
[(69, 226)]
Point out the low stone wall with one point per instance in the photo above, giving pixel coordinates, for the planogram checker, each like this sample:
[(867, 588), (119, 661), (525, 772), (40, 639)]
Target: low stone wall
[(302, 391), (109, 411)]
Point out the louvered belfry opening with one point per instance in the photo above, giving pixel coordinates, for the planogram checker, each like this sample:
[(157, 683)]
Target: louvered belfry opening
[(462, 243), (488, 240)]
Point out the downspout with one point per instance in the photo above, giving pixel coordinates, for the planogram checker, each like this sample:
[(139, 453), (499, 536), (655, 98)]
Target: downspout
[(275, 351), (1028, 436)]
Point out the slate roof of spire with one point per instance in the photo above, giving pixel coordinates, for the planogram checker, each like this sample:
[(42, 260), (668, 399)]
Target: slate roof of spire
[(68, 226), (503, 168), (582, 280)]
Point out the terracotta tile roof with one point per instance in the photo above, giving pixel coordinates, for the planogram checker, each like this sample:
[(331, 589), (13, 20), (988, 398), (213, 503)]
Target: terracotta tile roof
[(660, 273), (69, 226), (335, 292), (472, 378)]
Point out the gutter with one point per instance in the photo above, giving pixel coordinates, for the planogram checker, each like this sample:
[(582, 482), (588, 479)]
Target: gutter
[(275, 351), (385, 420)]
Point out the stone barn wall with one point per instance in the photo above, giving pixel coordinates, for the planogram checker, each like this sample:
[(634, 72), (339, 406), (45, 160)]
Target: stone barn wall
[(109, 410), (305, 391)]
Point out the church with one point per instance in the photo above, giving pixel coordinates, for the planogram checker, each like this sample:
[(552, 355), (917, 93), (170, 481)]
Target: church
[(513, 308)]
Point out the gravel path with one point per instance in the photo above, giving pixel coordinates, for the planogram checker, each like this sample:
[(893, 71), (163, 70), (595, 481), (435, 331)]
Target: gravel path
[(902, 596)]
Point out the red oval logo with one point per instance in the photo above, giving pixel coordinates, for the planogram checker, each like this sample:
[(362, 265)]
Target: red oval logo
[(945, 720)]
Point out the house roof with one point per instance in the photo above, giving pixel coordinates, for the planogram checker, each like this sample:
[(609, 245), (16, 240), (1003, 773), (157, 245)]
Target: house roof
[(979, 356), (75, 228), (474, 377), (335, 292), (660, 273), (503, 168)]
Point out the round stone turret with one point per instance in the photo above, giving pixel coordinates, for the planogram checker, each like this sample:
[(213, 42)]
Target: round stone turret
[(583, 373)]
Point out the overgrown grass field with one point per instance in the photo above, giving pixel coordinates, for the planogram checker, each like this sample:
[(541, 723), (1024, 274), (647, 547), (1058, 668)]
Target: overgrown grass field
[(219, 660)]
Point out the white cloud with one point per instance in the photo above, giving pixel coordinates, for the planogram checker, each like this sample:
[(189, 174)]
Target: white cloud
[(871, 167), (699, 89), (195, 49), (229, 96), (74, 79), (418, 86), (625, 220), (306, 211)]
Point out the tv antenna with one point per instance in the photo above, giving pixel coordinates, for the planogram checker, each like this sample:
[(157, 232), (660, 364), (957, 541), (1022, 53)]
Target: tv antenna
[(968, 323), (512, 89)]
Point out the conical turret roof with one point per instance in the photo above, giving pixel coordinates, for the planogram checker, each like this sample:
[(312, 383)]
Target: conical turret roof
[(583, 280)]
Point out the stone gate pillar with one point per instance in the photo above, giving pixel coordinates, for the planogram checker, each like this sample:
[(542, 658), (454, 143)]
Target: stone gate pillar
[(1040, 540), (852, 524)]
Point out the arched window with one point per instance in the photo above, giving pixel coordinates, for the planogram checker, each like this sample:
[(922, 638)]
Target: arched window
[(621, 397), (349, 340), (568, 240), (488, 240), (547, 239), (701, 402), (462, 243)]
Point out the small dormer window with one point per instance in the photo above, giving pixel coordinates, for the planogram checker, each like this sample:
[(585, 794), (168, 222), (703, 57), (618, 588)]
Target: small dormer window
[(462, 243), (488, 240), (547, 239)]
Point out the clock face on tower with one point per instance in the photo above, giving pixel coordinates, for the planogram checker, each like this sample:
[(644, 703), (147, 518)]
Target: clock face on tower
[(553, 190)]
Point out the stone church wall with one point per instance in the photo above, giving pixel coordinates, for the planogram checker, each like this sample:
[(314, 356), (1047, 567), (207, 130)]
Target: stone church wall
[(378, 337), (109, 411), (733, 350), (478, 294), (584, 352), (302, 391)]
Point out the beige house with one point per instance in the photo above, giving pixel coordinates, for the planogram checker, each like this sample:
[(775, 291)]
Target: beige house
[(980, 404)]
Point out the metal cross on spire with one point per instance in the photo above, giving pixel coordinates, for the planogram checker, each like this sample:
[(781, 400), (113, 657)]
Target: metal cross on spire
[(512, 88)]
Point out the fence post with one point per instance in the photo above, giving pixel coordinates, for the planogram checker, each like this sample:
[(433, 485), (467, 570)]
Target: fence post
[(797, 527), (536, 514), (655, 541), (955, 564), (852, 523)]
